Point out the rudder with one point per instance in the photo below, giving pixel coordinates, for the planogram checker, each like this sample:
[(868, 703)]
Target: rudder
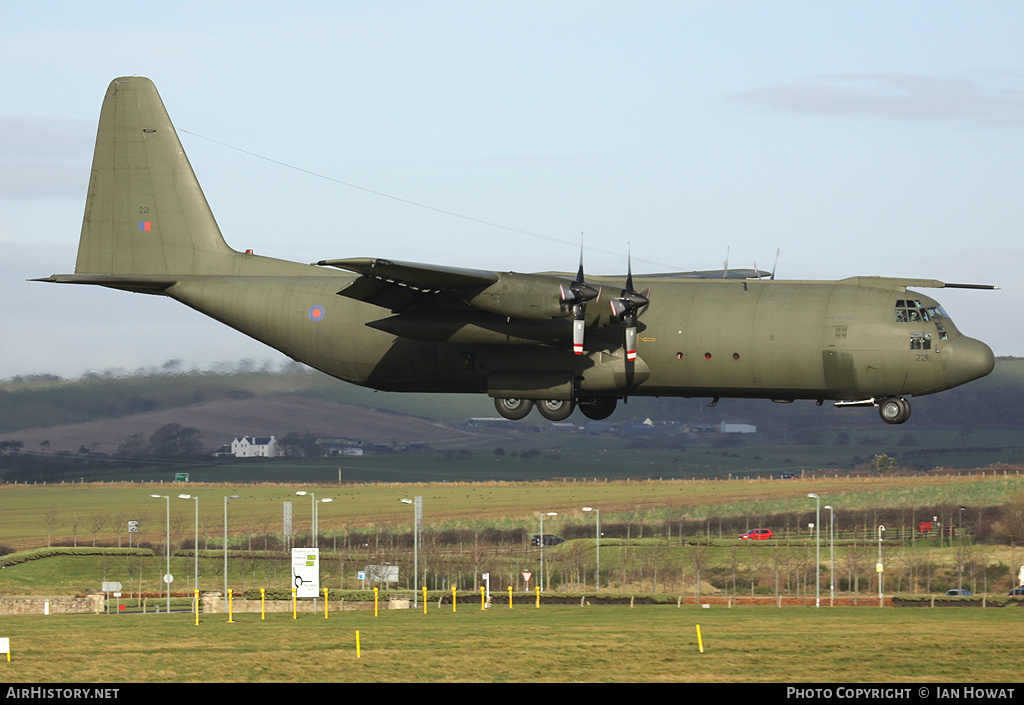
[(145, 212)]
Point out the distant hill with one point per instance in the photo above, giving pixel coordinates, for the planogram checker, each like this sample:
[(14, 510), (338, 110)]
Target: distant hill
[(223, 420), (100, 412)]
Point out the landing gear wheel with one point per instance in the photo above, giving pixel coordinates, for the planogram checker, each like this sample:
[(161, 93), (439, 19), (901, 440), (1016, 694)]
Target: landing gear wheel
[(597, 409), (894, 410), (513, 409), (555, 409)]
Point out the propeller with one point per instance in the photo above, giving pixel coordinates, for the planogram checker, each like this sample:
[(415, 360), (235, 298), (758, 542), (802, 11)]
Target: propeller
[(627, 307), (577, 294)]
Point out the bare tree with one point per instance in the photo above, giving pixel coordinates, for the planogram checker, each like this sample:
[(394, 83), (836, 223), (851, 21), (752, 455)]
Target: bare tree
[(52, 522)]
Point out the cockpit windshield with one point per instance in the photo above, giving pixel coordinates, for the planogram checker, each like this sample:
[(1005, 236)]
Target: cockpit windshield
[(913, 311)]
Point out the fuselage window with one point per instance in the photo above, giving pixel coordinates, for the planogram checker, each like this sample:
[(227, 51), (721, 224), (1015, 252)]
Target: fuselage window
[(920, 341)]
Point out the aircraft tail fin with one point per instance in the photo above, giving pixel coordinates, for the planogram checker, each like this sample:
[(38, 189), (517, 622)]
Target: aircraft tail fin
[(145, 213)]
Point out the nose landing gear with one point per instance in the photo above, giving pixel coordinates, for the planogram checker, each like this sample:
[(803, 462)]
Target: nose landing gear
[(894, 410)]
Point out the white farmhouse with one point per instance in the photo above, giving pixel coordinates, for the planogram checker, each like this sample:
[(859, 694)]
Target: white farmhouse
[(254, 447)]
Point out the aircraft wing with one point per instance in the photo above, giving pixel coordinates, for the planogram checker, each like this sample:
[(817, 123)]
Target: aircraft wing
[(889, 282), (414, 274), (398, 285), (712, 274)]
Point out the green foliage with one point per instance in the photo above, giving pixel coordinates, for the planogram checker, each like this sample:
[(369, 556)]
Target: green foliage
[(35, 554)]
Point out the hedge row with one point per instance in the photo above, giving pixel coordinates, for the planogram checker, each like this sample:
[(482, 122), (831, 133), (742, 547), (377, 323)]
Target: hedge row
[(37, 553)]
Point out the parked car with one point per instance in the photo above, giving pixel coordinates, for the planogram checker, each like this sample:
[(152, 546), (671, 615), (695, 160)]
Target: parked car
[(549, 540), (758, 535), (955, 592), (1017, 591)]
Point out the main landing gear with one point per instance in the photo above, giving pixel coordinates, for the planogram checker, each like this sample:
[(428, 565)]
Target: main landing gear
[(596, 408), (894, 410)]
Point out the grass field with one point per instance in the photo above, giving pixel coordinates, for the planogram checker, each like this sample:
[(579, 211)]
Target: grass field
[(80, 512), (551, 644)]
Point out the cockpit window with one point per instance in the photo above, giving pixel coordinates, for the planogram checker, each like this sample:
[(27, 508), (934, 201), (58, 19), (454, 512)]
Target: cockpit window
[(912, 311)]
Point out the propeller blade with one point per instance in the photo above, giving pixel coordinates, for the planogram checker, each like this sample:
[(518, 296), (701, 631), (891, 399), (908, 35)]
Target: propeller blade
[(578, 325), (626, 307), (578, 294), (631, 338)]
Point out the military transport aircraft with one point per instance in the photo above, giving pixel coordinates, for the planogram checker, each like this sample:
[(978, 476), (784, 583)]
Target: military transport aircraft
[(554, 341)]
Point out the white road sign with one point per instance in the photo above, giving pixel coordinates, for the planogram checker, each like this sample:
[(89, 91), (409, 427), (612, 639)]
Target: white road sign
[(306, 571)]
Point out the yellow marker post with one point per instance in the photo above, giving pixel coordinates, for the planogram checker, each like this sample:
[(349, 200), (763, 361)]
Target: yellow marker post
[(538, 596), (510, 597), (700, 641), (230, 606), (196, 607), (295, 604), (357, 644), (263, 603), (325, 603), (375, 597), (453, 599), (483, 604), (424, 599)]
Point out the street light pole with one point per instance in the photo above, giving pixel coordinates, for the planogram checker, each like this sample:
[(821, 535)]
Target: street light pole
[(167, 545), (234, 496), (417, 523), (817, 554), (312, 518), (831, 555), (597, 553), (195, 548), (543, 514), (960, 551), (878, 567)]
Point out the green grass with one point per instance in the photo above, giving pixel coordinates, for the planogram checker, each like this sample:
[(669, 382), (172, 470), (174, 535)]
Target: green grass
[(552, 644), (100, 507)]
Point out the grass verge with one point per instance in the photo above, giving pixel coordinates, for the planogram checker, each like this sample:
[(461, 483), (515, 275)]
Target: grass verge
[(523, 644)]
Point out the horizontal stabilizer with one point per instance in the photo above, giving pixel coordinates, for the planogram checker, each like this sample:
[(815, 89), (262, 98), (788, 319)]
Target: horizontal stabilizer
[(139, 283)]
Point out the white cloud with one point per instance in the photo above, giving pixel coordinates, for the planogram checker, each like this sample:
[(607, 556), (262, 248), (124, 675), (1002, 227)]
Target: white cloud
[(986, 99)]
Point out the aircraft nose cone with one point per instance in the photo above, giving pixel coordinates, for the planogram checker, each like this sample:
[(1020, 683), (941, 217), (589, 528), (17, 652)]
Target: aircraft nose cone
[(966, 359)]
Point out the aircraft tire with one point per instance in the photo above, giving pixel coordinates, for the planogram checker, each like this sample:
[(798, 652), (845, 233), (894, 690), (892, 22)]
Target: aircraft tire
[(598, 408), (894, 410), (555, 409), (513, 409)]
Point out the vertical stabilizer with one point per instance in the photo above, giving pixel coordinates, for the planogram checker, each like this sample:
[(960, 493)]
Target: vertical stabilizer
[(145, 212)]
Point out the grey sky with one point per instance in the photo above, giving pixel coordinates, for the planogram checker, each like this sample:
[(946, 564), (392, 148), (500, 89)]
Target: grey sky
[(868, 138)]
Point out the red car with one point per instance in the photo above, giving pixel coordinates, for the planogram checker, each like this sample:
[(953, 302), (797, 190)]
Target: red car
[(758, 534)]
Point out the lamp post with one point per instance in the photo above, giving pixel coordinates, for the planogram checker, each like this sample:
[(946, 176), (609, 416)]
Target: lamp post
[(312, 526), (817, 553), (226, 498), (195, 547), (417, 503), (831, 555), (316, 515), (960, 551), (167, 546), (878, 567), (597, 552), (543, 514)]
